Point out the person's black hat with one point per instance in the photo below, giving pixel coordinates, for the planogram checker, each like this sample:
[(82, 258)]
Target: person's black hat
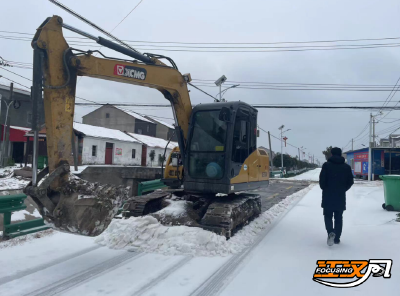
[(336, 151)]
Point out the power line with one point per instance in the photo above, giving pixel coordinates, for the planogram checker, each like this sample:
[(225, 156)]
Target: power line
[(271, 49), (203, 91), (276, 137), (291, 83), (15, 73), (301, 89), (387, 129), (127, 15), (255, 106), (85, 20), (281, 42), (389, 96), (15, 82)]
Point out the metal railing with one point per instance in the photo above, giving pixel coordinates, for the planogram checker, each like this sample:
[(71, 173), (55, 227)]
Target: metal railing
[(13, 203), (148, 186)]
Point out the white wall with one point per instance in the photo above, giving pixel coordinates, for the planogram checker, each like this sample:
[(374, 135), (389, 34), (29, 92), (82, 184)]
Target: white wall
[(124, 159), (157, 151)]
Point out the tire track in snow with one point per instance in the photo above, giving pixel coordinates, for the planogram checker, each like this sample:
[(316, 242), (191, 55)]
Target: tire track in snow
[(29, 271), (87, 274), (161, 277), (222, 276)]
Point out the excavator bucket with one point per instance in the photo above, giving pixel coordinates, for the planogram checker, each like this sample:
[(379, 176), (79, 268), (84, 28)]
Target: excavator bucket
[(78, 206)]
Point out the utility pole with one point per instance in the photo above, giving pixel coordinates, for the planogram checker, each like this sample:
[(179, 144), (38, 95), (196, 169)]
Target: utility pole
[(3, 147), (299, 154), (270, 149), (281, 128), (373, 132), (352, 144), (370, 148)]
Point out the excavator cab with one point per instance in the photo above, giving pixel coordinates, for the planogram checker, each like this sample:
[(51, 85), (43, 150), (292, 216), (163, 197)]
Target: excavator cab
[(221, 154)]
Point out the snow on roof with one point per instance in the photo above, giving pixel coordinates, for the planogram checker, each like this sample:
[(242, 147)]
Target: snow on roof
[(153, 142), (102, 132), (15, 89), (25, 129), (134, 114), (169, 125)]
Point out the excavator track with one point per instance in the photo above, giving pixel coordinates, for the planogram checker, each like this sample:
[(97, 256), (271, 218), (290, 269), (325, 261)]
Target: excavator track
[(227, 214), (142, 205), (222, 215)]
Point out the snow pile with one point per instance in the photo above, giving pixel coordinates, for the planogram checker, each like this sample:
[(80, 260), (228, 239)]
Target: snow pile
[(174, 209), (21, 215), (148, 235)]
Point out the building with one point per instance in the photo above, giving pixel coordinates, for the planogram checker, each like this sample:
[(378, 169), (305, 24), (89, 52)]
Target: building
[(153, 144), (99, 145), (17, 144), (393, 141), (96, 145), (19, 117), (20, 111), (164, 130), (112, 117), (385, 161)]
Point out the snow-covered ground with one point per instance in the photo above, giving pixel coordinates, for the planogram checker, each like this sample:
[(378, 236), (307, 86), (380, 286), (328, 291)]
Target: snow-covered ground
[(279, 257), (13, 183), (8, 182), (312, 175)]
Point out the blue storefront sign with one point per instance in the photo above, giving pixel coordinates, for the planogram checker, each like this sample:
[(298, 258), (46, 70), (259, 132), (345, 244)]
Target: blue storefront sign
[(365, 167)]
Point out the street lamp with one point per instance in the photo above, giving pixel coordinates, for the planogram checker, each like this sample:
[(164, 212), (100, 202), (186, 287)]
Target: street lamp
[(281, 129), (233, 86), (219, 83)]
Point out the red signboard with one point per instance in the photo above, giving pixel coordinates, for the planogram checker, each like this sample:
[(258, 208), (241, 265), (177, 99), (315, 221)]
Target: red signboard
[(16, 134), (361, 156)]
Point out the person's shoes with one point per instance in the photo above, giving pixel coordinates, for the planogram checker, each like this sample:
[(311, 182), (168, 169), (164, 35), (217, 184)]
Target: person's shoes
[(331, 239), (336, 241)]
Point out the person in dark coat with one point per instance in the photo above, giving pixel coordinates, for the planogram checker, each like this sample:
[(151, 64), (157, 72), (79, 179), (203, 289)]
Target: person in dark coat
[(335, 179)]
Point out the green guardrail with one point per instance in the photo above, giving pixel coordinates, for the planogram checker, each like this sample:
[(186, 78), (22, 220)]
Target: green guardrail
[(13, 203), (273, 174), (148, 186)]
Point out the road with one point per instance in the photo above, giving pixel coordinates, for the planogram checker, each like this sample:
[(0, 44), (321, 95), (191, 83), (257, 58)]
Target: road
[(75, 265), (278, 190), (281, 261)]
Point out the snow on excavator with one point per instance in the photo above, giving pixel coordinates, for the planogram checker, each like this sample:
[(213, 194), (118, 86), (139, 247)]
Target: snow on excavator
[(216, 159)]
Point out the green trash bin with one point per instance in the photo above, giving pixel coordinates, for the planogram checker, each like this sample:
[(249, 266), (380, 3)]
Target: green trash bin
[(391, 185), (42, 162)]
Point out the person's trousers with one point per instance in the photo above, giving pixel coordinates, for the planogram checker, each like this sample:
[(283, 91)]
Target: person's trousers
[(337, 229)]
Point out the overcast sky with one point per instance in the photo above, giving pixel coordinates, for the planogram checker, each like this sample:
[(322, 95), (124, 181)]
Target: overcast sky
[(240, 21)]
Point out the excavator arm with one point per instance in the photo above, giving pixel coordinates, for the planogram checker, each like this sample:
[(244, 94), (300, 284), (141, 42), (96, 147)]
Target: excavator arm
[(61, 200), (61, 64)]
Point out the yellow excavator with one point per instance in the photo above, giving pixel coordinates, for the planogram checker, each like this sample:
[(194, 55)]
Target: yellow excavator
[(217, 157)]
